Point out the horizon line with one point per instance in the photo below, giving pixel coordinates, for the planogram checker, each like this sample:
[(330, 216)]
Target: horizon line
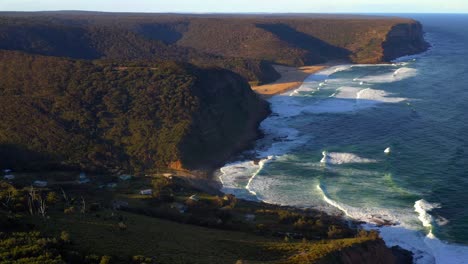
[(232, 13)]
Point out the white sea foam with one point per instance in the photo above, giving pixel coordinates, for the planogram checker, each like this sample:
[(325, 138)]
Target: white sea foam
[(346, 99), (376, 216), (337, 158), (261, 164), (400, 233), (427, 249), (398, 75), (247, 178), (235, 176), (422, 207), (280, 138)]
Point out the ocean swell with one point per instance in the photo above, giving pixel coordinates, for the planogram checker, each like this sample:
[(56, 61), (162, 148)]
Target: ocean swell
[(327, 93)]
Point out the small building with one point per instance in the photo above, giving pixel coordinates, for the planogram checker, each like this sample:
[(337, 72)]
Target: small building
[(9, 177), (146, 192), (40, 183), (194, 198), (125, 177), (7, 170)]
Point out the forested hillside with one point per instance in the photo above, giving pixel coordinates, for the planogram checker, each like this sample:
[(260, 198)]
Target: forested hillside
[(69, 113), (245, 44), (107, 91)]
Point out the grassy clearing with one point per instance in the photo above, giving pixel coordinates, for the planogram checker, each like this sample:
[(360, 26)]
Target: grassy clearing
[(170, 242)]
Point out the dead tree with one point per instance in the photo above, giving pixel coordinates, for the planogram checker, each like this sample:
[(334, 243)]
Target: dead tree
[(42, 206), (31, 200)]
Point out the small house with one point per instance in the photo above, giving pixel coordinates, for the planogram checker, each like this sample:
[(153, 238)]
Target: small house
[(40, 183), (9, 177), (146, 192)]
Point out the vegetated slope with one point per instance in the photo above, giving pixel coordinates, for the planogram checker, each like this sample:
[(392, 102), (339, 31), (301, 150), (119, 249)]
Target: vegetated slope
[(59, 112), (242, 43)]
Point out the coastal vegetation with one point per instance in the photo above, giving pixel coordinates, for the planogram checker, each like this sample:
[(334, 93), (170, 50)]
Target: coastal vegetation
[(247, 45), (63, 113), (178, 223), (110, 124)]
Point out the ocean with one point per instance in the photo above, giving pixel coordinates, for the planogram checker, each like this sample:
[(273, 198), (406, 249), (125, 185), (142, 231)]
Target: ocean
[(383, 144)]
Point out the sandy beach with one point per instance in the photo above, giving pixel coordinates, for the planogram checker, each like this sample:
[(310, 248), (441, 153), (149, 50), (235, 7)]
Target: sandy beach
[(291, 78)]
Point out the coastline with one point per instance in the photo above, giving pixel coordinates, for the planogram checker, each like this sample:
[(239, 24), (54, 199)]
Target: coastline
[(291, 78)]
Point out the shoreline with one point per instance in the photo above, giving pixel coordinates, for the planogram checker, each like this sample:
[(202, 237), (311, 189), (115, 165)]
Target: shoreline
[(291, 78)]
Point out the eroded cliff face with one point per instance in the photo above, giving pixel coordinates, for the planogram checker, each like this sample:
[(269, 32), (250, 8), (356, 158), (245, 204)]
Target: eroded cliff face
[(404, 39)]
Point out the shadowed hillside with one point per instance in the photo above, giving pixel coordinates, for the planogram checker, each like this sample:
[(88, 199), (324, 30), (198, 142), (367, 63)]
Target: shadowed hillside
[(78, 114), (246, 44)]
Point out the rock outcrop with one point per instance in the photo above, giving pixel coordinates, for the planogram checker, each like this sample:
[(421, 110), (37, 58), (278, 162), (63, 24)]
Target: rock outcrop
[(404, 39)]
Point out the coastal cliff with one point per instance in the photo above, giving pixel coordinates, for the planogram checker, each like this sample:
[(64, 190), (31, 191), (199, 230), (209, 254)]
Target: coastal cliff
[(246, 44), (404, 39)]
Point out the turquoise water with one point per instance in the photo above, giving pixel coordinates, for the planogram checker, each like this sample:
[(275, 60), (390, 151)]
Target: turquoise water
[(325, 146)]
